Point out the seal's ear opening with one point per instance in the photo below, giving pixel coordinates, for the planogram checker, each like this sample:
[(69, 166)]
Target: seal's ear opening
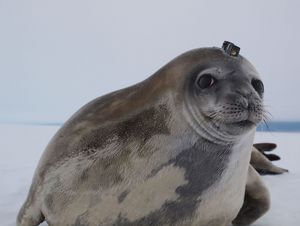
[(231, 49)]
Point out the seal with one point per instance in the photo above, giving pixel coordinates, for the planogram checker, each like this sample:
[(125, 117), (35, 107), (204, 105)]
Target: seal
[(173, 150)]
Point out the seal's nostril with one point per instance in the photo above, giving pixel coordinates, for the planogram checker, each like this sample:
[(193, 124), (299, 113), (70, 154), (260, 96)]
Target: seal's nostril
[(244, 103), (243, 94)]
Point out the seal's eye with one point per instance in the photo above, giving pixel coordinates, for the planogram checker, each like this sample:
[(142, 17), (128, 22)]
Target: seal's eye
[(258, 86), (206, 81)]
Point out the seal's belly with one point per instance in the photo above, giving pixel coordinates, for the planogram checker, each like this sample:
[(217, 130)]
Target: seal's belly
[(225, 198), (179, 192), (122, 204), (154, 201), (221, 202)]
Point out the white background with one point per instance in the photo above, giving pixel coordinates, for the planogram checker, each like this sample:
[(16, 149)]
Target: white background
[(56, 55)]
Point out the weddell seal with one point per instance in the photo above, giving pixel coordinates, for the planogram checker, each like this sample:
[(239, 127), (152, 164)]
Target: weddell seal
[(173, 150)]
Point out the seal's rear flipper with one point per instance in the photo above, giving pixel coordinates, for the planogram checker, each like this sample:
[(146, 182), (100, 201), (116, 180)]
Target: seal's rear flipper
[(267, 147), (272, 157), (262, 162)]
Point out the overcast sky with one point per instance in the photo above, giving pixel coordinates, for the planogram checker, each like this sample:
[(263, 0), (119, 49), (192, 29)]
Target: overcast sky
[(56, 55)]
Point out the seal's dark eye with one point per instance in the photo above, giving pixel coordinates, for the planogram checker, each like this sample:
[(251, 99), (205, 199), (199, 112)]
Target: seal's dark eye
[(206, 81), (258, 86)]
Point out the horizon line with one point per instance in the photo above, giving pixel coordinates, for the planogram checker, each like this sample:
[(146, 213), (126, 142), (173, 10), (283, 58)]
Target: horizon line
[(272, 126)]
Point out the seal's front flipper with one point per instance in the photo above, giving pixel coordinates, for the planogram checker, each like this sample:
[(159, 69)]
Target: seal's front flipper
[(25, 219), (256, 200), (262, 162), (30, 214)]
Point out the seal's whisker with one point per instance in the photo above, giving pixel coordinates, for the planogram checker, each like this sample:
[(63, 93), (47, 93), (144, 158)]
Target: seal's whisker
[(265, 111), (266, 115), (212, 114), (266, 125)]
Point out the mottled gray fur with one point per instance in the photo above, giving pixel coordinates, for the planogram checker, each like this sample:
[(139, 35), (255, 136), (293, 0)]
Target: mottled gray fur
[(151, 154)]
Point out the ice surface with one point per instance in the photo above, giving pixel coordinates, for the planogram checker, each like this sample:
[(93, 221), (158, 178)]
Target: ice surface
[(21, 147)]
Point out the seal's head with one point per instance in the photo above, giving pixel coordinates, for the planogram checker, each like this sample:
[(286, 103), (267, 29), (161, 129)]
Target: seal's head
[(223, 93)]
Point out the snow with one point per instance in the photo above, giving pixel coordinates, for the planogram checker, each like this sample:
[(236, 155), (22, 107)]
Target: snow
[(22, 145)]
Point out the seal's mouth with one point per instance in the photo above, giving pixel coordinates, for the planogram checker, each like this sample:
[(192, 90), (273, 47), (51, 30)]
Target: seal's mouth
[(245, 123), (242, 123), (244, 119)]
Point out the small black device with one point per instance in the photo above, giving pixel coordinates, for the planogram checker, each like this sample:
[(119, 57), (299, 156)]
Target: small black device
[(231, 48)]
